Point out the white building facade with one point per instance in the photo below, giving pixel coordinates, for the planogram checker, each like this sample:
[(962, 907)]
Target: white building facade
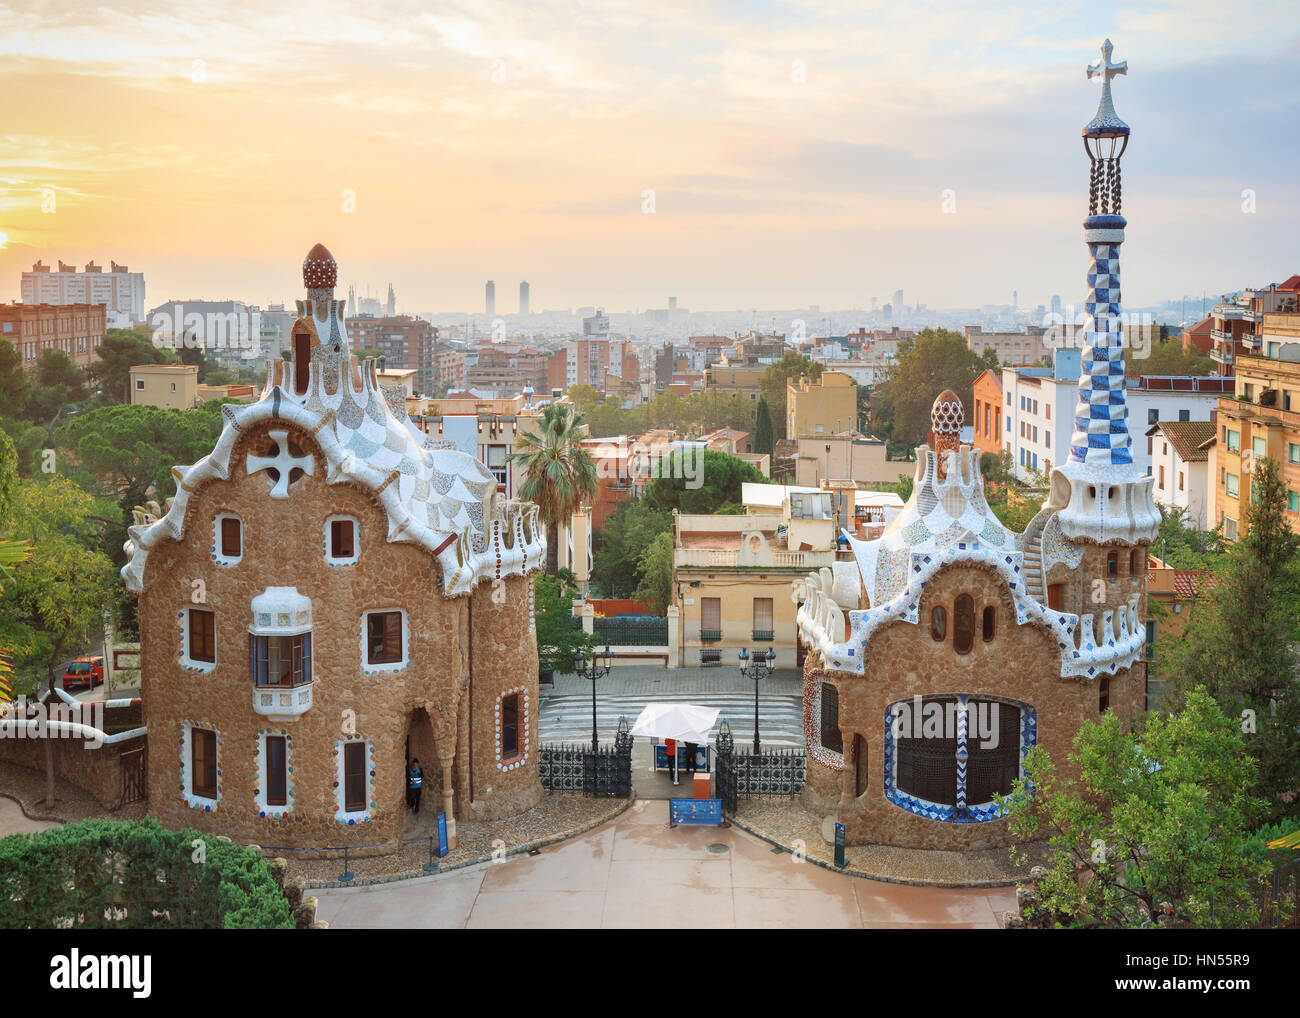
[(119, 290)]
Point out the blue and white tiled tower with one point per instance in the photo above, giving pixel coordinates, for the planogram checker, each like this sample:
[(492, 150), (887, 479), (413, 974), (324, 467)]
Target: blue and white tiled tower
[(1106, 500)]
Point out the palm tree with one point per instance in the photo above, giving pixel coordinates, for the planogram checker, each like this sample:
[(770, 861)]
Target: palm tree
[(11, 554), (560, 474)]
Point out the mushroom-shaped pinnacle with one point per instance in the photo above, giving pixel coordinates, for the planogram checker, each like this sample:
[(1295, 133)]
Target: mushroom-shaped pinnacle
[(319, 270), (947, 415)]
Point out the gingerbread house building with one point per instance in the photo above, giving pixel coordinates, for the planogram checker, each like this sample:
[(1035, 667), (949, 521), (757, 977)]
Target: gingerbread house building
[(951, 645), (329, 595)]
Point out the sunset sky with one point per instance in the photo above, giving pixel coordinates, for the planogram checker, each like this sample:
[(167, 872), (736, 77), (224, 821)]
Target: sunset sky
[(798, 151)]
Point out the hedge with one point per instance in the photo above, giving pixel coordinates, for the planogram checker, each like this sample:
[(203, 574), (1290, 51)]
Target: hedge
[(135, 874)]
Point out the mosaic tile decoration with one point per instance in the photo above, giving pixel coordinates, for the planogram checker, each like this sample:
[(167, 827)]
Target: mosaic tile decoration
[(1101, 436), (962, 812), (365, 437)]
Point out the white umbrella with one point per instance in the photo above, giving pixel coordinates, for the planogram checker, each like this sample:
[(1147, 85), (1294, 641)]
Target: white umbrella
[(684, 722)]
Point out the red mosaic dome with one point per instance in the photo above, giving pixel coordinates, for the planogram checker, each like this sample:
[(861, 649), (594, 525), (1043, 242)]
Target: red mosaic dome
[(947, 415), (319, 270)]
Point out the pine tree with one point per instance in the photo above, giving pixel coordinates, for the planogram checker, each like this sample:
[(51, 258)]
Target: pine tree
[(762, 428), (1244, 648)]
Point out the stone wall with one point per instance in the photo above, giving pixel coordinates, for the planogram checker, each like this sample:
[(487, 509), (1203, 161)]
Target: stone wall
[(97, 771), (902, 660), (284, 546)]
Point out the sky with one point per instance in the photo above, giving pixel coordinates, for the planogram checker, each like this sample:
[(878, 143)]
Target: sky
[(731, 154)]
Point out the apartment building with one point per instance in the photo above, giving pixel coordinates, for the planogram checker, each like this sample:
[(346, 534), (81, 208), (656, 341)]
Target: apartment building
[(173, 386), (76, 329), (119, 290), (734, 378), (986, 405), (404, 341), (1038, 407), (733, 577), (507, 370), (1026, 348), (1237, 324), (1180, 455), (1261, 418), (825, 407)]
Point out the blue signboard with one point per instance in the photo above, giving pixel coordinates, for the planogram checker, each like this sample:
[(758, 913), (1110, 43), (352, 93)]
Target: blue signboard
[(694, 811), (442, 834)]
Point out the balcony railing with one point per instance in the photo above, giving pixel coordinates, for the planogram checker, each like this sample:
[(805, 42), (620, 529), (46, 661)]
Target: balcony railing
[(1221, 356), (763, 635), (282, 703), (773, 558), (710, 635)]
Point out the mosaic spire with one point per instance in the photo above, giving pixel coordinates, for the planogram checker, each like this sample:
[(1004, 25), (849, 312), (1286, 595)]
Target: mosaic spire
[(1101, 436)]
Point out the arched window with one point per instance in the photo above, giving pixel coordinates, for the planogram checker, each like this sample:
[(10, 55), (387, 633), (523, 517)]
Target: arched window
[(938, 623), (1112, 565), (1134, 562), (301, 361), (963, 624), (1103, 694), (832, 738), (989, 617)]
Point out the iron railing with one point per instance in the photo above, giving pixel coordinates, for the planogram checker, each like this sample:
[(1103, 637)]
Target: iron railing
[(619, 632)]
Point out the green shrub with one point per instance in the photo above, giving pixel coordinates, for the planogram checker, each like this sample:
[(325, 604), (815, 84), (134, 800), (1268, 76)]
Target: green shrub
[(128, 874)]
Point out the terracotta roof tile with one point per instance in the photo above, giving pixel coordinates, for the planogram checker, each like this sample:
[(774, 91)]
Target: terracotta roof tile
[(1189, 438)]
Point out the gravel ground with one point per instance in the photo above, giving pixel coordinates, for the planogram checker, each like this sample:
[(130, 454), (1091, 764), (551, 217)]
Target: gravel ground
[(27, 787), (558, 816), (781, 821)]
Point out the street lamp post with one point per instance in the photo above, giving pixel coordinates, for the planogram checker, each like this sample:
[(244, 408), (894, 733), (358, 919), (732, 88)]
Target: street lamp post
[(592, 672), (757, 671)]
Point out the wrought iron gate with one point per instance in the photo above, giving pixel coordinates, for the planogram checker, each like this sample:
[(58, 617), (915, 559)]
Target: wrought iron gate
[(605, 771), (725, 773), (132, 765), (770, 772)]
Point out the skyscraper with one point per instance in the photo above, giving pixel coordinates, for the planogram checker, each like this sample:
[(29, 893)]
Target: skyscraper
[(392, 300), (523, 298), (1056, 303), (491, 300), (898, 300)]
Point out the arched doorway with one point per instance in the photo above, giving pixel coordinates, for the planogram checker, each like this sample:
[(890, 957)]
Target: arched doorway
[(421, 745)]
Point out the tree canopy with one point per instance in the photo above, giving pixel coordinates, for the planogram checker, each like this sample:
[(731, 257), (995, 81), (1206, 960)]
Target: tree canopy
[(627, 533), (700, 481), (935, 360), (1242, 647), (1157, 826)]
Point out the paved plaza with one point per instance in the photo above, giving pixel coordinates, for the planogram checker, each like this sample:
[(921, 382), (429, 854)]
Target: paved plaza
[(637, 872)]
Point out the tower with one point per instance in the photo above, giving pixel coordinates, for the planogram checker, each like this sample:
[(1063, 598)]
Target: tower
[(523, 298), (392, 301), (1103, 507), (491, 298)]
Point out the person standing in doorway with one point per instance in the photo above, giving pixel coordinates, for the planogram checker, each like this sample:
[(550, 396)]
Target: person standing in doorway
[(415, 784)]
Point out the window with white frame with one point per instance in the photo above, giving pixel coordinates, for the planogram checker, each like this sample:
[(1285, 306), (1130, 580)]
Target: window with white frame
[(199, 638), (354, 780), (227, 539), (384, 641), (342, 540), (274, 790), (200, 765), (495, 458)]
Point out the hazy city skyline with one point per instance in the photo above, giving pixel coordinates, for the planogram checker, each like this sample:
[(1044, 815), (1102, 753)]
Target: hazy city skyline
[(798, 154)]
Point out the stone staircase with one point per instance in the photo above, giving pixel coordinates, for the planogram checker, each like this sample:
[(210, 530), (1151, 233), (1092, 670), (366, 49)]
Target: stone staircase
[(1033, 567)]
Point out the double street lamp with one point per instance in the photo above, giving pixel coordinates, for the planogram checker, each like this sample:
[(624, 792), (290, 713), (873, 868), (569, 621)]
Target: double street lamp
[(757, 671), (593, 672)]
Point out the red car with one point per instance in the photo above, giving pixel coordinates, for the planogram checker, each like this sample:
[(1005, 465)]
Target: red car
[(84, 673)]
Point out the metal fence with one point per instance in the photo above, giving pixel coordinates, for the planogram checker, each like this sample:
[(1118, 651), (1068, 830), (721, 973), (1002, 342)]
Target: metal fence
[(603, 772), (768, 772), (632, 632)]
